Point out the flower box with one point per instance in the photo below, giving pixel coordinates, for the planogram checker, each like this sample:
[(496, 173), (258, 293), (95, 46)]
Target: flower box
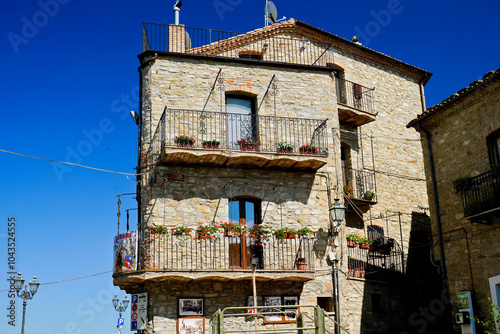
[(248, 147)]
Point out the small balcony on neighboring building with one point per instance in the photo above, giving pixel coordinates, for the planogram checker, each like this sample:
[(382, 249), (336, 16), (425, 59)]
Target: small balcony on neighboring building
[(355, 103), (481, 196), (217, 139), (258, 45), (223, 258)]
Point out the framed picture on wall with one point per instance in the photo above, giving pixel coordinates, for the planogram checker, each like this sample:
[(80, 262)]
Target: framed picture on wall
[(191, 307), (280, 314), (191, 325)]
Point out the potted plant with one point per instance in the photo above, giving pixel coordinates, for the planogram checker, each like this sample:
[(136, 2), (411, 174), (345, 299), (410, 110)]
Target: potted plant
[(232, 229), (158, 230), (284, 147), (181, 234), (184, 141), (305, 232), (308, 149), (351, 240), (280, 234), (301, 263), (210, 144), (363, 243), (248, 144), (361, 272), (348, 191), (290, 233), (208, 232), (462, 184), (369, 195), (259, 234), (350, 271)]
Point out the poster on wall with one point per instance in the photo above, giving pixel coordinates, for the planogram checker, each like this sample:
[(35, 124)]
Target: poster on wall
[(125, 252)]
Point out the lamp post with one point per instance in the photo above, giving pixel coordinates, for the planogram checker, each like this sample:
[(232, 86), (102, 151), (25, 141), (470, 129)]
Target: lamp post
[(25, 294), (337, 215), (337, 212), (120, 307)]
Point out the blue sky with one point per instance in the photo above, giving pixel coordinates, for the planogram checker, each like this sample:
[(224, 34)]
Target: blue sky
[(69, 78)]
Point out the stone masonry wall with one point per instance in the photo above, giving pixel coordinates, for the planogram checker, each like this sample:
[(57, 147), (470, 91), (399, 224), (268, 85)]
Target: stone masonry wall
[(178, 83), (458, 137)]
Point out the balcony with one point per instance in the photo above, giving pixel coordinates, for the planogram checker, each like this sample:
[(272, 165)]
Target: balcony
[(481, 196), (355, 103), (224, 258), (383, 263), (360, 181), (256, 45), (215, 135)]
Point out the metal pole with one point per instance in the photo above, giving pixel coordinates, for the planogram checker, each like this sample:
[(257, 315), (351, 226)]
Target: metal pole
[(254, 294), (24, 309)]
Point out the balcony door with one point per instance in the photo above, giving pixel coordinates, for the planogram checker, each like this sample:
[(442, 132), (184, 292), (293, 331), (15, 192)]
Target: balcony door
[(240, 119), (241, 249)]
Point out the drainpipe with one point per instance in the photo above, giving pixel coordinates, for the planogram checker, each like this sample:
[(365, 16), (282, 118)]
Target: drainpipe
[(436, 202), (139, 156), (468, 252)]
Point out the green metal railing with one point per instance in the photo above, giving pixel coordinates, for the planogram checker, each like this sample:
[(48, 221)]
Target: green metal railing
[(306, 319)]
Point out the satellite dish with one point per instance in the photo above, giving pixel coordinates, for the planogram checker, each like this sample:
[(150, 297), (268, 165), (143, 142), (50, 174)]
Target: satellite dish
[(271, 12)]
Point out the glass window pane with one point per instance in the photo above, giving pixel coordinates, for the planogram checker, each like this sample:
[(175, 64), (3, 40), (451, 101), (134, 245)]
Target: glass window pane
[(234, 212), (250, 213)]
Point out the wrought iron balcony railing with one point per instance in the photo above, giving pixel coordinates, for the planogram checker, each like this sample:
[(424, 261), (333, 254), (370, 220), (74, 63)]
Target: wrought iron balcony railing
[(225, 131), (355, 95), (360, 181), (482, 195), (253, 45), (384, 263), (224, 253)]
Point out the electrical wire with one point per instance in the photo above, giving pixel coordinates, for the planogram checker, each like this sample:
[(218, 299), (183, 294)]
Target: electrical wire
[(69, 163), (70, 279)]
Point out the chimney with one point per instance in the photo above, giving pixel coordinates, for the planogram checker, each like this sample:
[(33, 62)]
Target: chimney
[(177, 32), (177, 11)]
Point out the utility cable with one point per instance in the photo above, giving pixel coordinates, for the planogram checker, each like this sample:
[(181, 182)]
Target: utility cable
[(70, 279), (70, 163)]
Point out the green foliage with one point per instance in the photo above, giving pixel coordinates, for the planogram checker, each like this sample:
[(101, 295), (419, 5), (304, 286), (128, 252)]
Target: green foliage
[(159, 230), (347, 190), (489, 325), (185, 139), (304, 232), (369, 194), (212, 142), (284, 145)]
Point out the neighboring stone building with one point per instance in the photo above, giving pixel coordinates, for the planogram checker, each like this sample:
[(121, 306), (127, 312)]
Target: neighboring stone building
[(461, 141), (317, 113)]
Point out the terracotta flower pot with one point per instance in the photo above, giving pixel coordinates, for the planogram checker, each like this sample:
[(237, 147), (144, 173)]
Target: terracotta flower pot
[(301, 266)]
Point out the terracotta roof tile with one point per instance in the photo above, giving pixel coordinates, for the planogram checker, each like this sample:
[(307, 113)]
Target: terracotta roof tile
[(487, 78)]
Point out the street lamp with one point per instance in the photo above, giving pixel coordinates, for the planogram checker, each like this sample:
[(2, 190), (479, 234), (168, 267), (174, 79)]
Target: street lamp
[(120, 307), (25, 295), (337, 211)]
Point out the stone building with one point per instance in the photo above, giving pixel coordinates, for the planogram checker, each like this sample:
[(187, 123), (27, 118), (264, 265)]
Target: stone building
[(264, 131), (461, 142)]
